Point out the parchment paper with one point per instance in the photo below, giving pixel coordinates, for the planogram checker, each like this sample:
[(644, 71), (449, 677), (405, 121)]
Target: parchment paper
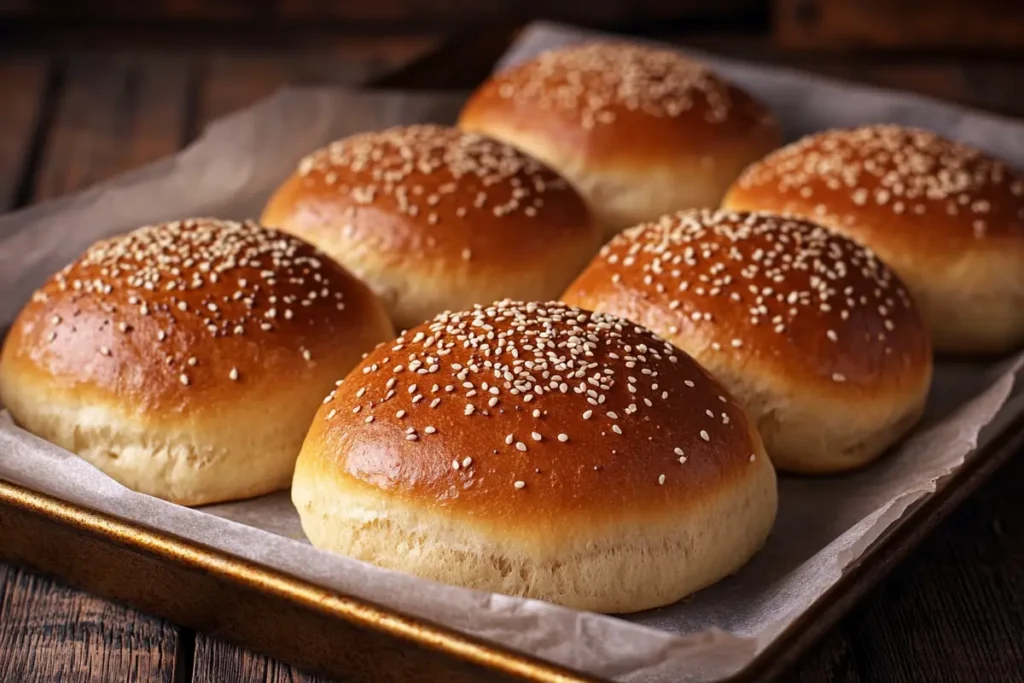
[(823, 523)]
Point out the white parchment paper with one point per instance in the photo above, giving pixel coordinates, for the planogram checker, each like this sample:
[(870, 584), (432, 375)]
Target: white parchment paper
[(823, 524)]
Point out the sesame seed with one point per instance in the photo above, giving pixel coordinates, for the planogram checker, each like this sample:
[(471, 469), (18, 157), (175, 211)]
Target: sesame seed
[(520, 446), (661, 479), (520, 484), (369, 419), (704, 435), (183, 378), (233, 374), (678, 451), (535, 436), (467, 461), (400, 414), (563, 437), (104, 351), (469, 409)]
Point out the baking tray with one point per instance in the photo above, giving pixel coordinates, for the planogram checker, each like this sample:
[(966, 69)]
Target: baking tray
[(327, 631)]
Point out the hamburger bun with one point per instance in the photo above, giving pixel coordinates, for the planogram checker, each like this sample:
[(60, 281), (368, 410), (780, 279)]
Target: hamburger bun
[(433, 219), (639, 131), (812, 333), (187, 359), (949, 219), (542, 451)]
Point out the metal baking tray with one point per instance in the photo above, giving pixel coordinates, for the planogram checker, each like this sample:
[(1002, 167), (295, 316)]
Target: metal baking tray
[(340, 635)]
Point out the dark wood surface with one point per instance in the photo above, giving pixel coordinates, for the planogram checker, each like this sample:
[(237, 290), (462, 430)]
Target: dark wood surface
[(953, 612)]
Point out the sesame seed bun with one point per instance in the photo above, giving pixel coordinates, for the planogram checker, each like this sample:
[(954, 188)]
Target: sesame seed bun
[(434, 219), (538, 450), (186, 360), (639, 131), (810, 331), (947, 218)]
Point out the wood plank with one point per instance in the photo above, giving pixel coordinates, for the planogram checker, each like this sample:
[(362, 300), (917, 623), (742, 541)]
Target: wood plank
[(842, 24), (217, 661), (449, 13), (233, 80), (831, 660), (109, 116), (51, 633), (117, 112), (22, 90), (955, 610)]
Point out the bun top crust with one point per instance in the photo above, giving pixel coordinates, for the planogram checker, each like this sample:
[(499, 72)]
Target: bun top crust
[(623, 100), (183, 316), (431, 193), (892, 187), (516, 409), (788, 294)]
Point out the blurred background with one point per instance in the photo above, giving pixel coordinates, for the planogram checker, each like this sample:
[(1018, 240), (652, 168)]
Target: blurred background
[(110, 84)]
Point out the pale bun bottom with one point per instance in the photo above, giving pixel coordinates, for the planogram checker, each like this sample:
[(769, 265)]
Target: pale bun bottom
[(819, 432), (988, 318), (235, 452), (638, 563)]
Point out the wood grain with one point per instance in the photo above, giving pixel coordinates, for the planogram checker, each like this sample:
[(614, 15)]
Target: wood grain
[(22, 90), (955, 610), (842, 24), (116, 112), (232, 80), (51, 633), (217, 661), (446, 13)]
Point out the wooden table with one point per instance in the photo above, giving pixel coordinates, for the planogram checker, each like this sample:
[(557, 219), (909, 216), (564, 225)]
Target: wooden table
[(953, 612)]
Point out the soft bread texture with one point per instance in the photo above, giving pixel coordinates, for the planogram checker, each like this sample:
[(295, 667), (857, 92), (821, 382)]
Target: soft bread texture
[(639, 131), (433, 218), (947, 218), (812, 333), (186, 359), (538, 450)]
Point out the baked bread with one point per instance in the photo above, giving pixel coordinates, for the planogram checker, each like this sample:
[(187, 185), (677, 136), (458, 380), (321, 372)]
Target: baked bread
[(433, 219), (949, 219), (187, 359), (812, 333), (639, 131), (538, 450)]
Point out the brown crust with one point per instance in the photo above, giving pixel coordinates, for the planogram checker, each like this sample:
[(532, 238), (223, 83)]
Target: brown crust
[(433, 208), (182, 319), (620, 103), (909, 194), (594, 473), (810, 306)]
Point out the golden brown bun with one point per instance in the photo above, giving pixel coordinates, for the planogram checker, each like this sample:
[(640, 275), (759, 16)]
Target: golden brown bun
[(639, 131), (815, 336), (947, 218), (538, 450), (434, 219), (186, 360)]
